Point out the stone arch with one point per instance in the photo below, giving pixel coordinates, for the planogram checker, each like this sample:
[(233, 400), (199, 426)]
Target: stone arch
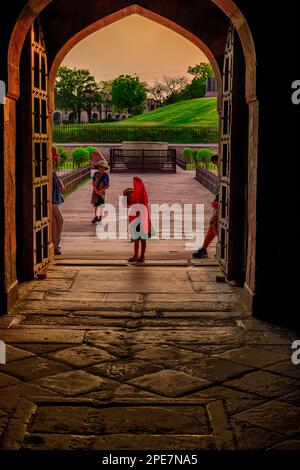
[(123, 13), (71, 117), (57, 117), (34, 7)]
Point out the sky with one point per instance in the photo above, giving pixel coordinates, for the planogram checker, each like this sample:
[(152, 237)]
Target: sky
[(135, 45)]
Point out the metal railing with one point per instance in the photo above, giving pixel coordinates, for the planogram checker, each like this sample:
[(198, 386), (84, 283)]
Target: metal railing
[(73, 178), (101, 133), (142, 160), (208, 179)]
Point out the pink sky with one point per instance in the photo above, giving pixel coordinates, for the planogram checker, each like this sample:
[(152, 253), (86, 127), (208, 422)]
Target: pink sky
[(135, 45)]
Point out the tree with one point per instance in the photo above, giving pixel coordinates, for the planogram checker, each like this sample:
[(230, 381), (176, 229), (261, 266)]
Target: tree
[(201, 71), (76, 89), (129, 94), (174, 85), (105, 89), (196, 88), (157, 92)]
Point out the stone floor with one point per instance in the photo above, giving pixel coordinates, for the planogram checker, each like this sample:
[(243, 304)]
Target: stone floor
[(101, 355)]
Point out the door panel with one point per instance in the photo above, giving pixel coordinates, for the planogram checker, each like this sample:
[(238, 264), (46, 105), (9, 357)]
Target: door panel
[(225, 157)]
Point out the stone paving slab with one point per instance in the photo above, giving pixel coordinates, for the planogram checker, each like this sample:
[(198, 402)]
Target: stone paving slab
[(27, 335), (110, 420), (119, 442), (102, 355), (73, 383), (273, 415), (170, 383), (124, 370), (264, 384), (33, 368), (251, 356)]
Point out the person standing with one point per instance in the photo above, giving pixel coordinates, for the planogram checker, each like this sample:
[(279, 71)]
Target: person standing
[(212, 231), (100, 185), (57, 199), (140, 225)]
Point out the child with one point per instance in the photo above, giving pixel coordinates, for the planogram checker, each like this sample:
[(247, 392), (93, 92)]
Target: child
[(100, 185), (139, 223)]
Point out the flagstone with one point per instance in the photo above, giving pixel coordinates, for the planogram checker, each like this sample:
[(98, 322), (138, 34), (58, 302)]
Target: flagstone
[(264, 384), (252, 357), (84, 420), (82, 356), (34, 368), (250, 437), (236, 401), (169, 383), (41, 335), (167, 355), (215, 369), (73, 383), (6, 380), (124, 370), (15, 354), (286, 368), (273, 415)]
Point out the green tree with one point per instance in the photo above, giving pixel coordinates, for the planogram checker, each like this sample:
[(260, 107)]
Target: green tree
[(76, 89), (201, 71), (129, 94)]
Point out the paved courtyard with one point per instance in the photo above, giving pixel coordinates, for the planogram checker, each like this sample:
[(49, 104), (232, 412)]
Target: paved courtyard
[(101, 355)]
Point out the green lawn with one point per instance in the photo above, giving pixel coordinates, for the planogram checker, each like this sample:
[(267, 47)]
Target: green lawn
[(199, 111)]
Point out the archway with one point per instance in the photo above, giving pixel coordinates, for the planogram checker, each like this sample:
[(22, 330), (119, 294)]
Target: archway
[(71, 117), (230, 9), (57, 118)]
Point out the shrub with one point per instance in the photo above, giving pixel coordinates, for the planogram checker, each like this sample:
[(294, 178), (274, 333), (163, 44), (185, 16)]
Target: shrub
[(80, 155), (90, 150), (93, 121), (63, 153), (203, 157), (194, 157), (187, 155), (103, 133)]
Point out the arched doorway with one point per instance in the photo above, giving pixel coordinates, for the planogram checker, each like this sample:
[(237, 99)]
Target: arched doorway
[(57, 119), (247, 47), (71, 117)]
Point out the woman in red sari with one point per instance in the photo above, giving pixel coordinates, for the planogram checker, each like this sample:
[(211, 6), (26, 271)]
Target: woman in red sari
[(139, 219)]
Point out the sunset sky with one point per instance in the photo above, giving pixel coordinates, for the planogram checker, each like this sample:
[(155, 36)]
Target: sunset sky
[(135, 45)]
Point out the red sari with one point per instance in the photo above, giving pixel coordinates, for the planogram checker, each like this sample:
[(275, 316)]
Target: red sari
[(140, 196)]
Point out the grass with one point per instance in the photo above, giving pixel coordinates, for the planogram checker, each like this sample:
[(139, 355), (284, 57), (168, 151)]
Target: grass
[(190, 121), (196, 112)]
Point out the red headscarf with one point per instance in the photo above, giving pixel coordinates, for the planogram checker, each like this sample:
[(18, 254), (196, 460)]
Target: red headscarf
[(140, 196), (54, 155)]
